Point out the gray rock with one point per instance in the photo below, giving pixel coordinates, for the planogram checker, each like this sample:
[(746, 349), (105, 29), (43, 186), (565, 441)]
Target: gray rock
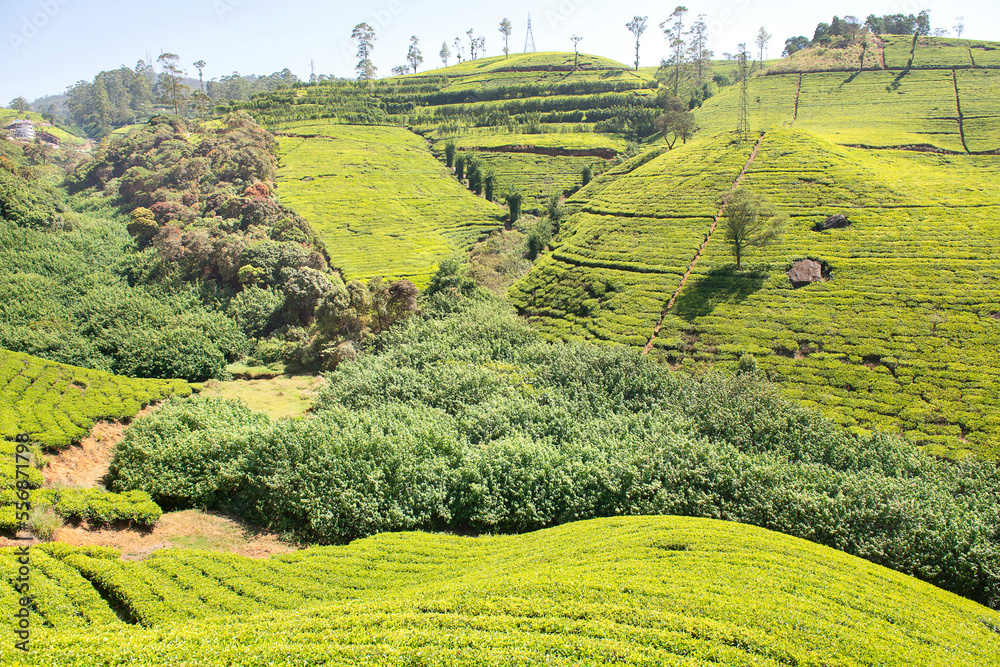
[(806, 271), (836, 221)]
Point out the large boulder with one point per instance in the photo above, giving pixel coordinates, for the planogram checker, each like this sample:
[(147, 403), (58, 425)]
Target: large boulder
[(806, 271), (833, 222)]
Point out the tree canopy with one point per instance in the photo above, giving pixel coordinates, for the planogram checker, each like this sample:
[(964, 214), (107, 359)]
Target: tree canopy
[(750, 221)]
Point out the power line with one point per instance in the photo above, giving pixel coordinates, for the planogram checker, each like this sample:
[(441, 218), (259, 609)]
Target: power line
[(743, 129)]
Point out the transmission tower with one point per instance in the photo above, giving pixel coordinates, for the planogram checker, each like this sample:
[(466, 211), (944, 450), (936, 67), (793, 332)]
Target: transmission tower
[(529, 39), (744, 123), (312, 71)]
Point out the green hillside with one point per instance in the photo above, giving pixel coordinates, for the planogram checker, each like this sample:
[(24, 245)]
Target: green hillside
[(7, 116), (378, 199), (903, 337), (56, 403), (561, 119), (650, 590)]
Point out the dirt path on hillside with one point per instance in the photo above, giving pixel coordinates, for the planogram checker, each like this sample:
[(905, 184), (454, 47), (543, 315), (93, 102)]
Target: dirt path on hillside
[(186, 529), (85, 464), (704, 244), (958, 108), (798, 89)]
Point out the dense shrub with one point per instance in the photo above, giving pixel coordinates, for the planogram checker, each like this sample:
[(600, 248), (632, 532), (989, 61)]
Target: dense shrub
[(467, 421), (255, 310), (186, 453)]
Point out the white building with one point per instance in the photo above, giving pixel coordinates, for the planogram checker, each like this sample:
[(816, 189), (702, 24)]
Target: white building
[(22, 129)]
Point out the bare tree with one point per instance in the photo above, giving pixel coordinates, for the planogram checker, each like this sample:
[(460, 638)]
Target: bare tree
[(413, 56), (637, 26), (763, 37), (445, 52), (959, 26), (472, 45), (458, 49), (505, 29), (576, 39), (673, 30)]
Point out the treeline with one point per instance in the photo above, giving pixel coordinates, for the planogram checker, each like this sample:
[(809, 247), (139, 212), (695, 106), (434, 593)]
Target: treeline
[(843, 32), (466, 421), (127, 96)]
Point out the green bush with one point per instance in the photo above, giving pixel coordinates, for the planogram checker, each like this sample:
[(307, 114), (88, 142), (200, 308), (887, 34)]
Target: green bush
[(255, 310), (186, 454), (466, 421)]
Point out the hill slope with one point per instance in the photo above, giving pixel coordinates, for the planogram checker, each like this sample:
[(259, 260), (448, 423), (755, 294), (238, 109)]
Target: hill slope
[(381, 203), (903, 335), (642, 590)]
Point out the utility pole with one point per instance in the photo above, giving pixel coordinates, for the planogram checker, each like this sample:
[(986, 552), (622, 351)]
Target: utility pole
[(744, 123), (529, 39)]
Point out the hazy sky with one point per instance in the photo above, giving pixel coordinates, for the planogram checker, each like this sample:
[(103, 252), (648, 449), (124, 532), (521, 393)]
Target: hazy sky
[(47, 45)]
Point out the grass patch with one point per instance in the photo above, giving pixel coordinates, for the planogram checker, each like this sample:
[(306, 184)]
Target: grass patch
[(282, 396)]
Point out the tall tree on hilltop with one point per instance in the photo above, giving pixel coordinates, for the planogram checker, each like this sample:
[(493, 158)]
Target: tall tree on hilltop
[(472, 45), (698, 49), (173, 90), (637, 26), (673, 30), (959, 26), (413, 56), (576, 39), (505, 29), (458, 48), (444, 53), (19, 104), (365, 35), (763, 37), (201, 79)]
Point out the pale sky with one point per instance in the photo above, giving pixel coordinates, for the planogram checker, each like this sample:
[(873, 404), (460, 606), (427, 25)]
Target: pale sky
[(47, 45)]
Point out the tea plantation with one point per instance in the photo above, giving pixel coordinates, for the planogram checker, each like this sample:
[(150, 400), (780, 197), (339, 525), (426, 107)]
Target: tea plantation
[(902, 337), (639, 590), (55, 404), (381, 203)]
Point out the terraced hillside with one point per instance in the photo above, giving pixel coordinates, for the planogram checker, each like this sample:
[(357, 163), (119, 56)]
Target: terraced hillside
[(530, 118), (378, 199), (903, 337), (643, 590), (540, 165), (942, 101)]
